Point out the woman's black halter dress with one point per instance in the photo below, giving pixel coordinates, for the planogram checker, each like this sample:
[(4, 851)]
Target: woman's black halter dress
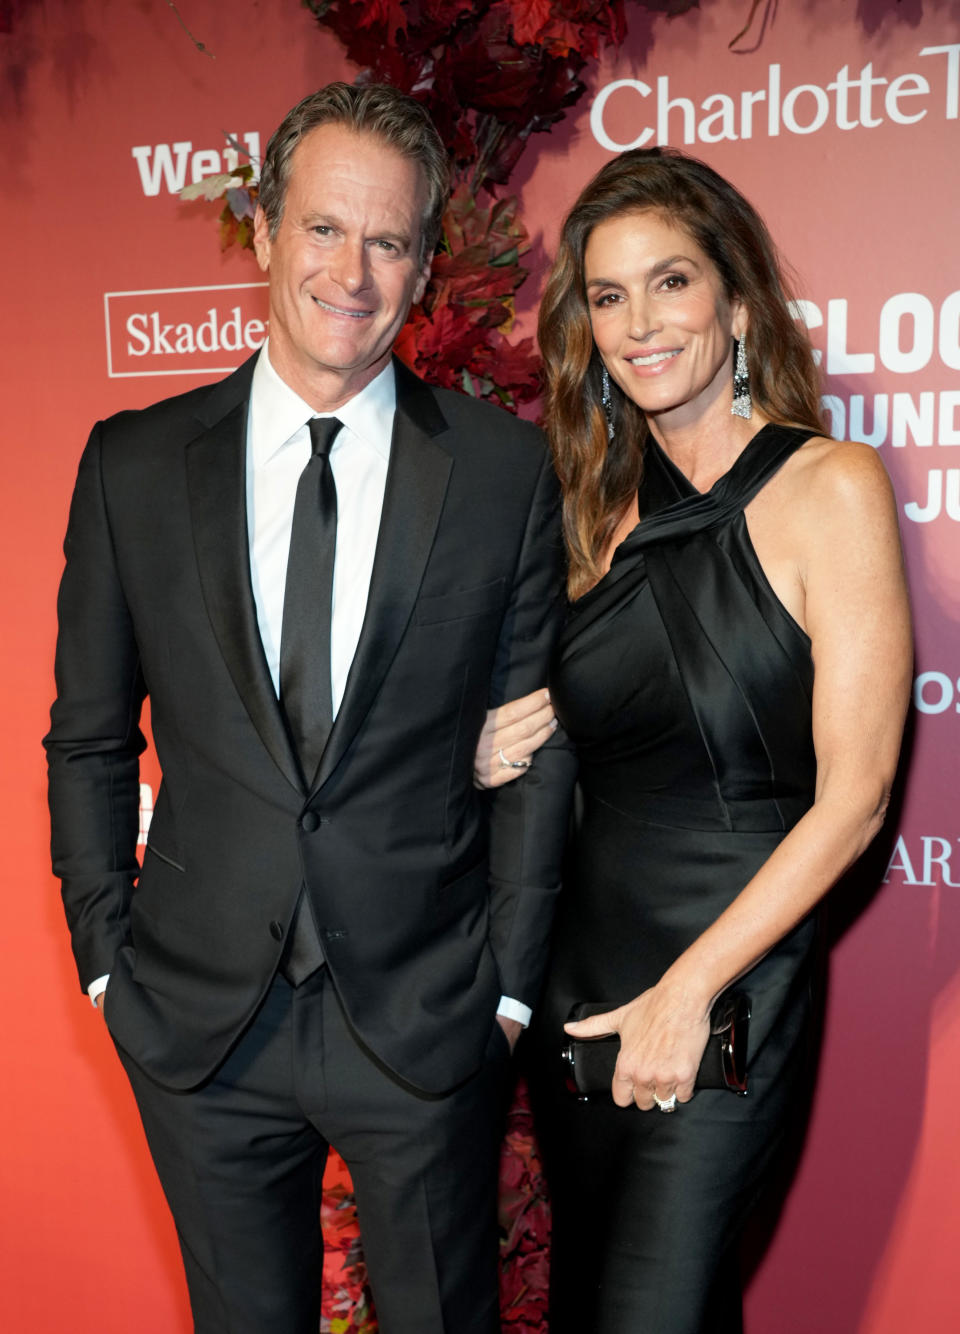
[(686, 686)]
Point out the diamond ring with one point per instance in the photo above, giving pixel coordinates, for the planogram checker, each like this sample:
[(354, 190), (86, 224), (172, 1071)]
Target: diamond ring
[(512, 764)]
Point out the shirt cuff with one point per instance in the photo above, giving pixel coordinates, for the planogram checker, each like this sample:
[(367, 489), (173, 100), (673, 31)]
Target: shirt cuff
[(97, 988), (514, 1009)]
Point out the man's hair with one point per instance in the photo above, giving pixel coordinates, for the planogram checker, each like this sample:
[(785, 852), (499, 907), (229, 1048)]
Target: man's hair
[(377, 109)]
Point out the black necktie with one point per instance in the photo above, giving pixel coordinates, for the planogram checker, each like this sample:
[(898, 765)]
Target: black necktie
[(305, 652), (305, 634)]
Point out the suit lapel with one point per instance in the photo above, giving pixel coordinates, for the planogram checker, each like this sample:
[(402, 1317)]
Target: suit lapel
[(417, 478), (216, 483)]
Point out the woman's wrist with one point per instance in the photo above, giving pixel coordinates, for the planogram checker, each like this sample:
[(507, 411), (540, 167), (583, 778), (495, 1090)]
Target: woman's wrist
[(689, 989)]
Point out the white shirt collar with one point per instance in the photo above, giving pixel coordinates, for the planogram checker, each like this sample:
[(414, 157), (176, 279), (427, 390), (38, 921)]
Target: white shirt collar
[(277, 413)]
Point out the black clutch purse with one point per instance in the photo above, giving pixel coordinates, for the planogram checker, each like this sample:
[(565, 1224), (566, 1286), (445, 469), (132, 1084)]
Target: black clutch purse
[(589, 1062)]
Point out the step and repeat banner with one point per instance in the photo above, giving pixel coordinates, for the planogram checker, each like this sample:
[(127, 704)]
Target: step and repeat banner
[(842, 123)]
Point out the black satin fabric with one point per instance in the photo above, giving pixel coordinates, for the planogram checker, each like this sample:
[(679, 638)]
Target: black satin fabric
[(687, 687)]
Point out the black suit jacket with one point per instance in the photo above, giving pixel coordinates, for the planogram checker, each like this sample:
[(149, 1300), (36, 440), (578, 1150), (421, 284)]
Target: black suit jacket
[(431, 898)]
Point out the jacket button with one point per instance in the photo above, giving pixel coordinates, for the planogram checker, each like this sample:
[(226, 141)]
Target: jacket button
[(276, 930), (310, 822)]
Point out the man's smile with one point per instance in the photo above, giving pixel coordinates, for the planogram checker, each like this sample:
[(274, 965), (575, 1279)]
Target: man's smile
[(338, 310)]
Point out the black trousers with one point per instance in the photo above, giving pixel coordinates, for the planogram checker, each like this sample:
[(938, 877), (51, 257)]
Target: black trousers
[(241, 1162)]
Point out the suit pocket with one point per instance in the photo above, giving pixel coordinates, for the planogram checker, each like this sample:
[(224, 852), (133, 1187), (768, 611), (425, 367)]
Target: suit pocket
[(481, 600), (161, 900), (170, 861)]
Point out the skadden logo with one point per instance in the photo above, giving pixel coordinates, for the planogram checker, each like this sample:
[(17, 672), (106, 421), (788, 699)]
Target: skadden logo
[(641, 115), (183, 330), (170, 164), (936, 692), (927, 860)]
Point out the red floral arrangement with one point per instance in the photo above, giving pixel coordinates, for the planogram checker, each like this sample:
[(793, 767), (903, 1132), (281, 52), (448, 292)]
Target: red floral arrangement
[(524, 1225)]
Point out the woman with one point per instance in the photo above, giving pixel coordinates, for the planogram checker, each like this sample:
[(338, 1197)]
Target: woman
[(735, 673)]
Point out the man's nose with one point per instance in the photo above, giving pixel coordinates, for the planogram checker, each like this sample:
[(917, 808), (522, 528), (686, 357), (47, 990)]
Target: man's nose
[(349, 269)]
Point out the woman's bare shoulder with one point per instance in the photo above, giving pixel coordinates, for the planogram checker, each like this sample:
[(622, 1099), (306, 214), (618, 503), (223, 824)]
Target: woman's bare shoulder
[(837, 481)]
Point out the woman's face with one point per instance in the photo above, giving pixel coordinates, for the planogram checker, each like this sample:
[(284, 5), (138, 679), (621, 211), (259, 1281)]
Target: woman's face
[(661, 320)]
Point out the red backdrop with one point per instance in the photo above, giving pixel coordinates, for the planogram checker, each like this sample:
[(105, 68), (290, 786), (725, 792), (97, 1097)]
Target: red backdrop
[(843, 127)]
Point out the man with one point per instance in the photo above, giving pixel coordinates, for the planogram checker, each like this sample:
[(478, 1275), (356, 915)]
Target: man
[(332, 939)]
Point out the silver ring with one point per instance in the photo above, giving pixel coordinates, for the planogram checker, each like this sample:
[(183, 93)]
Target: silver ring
[(666, 1104), (512, 764)]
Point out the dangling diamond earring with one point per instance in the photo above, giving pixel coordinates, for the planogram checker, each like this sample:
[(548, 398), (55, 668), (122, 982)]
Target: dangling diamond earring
[(742, 405), (606, 398)]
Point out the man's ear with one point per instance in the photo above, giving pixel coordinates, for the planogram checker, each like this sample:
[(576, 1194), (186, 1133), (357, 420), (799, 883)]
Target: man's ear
[(261, 239), (422, 281)]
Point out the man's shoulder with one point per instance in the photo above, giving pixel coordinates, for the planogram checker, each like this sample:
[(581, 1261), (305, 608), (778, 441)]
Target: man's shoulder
[(156, 417), (179, 417), (463, 421), (488, 421)]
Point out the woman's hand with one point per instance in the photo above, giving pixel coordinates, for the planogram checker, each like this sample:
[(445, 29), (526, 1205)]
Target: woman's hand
[(509, 738), (662, 1040)]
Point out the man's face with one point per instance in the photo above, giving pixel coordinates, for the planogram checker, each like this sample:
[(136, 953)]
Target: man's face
[(344, 265)]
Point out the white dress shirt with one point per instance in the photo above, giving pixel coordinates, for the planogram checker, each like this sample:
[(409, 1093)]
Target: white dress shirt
[(278, 450)]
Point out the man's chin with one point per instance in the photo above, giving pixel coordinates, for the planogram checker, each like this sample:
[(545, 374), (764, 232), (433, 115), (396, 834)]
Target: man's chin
[(327, 375), (358, 362)]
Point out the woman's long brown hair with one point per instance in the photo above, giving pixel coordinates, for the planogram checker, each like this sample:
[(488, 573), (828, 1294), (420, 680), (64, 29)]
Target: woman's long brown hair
[(599, 476)]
